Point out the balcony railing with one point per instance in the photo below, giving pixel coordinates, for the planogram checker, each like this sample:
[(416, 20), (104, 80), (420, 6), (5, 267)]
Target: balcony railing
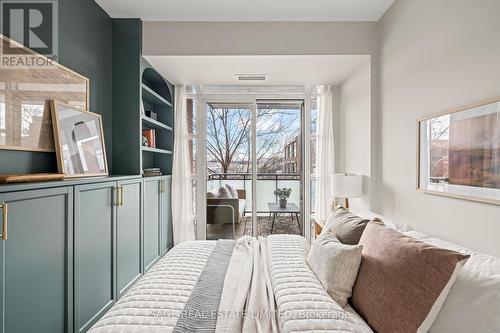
[(267, 183)]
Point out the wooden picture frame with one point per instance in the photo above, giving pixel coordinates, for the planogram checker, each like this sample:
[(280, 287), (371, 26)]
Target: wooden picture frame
[(459, 176), (25, 90), (82, 156)]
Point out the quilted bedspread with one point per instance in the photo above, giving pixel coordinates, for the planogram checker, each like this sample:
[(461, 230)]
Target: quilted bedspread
[(157, 300)]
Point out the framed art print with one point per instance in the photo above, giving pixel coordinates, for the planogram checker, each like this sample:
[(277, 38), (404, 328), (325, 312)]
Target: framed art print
[(79, 141), (459, 152), (25, 121)]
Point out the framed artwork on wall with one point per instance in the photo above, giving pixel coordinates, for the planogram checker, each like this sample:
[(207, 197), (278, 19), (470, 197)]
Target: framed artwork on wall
[(458, 152), (25, 122), (79, 141)]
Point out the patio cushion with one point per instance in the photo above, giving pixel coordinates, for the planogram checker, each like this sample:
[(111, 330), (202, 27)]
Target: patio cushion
[(232, 191), (224, 193)]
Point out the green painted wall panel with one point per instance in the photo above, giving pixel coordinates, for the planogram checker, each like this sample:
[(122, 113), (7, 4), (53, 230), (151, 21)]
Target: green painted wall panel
[(85, 45), (127, 134)]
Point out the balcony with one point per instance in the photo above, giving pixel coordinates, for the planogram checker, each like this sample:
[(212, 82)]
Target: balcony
[(284, 222)]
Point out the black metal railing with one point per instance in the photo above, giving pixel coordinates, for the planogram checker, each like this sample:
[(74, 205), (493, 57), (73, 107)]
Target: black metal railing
[(248, 176)]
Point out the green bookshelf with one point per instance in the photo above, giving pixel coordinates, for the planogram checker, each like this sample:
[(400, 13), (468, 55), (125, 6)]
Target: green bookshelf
[(142, 88), (156, 97)]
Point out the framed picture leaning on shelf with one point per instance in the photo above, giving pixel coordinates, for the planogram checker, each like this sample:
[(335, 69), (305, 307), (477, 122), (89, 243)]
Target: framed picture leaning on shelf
[(79, 141)]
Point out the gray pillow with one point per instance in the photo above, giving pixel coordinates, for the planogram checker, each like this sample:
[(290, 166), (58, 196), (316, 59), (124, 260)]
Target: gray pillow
[(346, 226), (336, 265)]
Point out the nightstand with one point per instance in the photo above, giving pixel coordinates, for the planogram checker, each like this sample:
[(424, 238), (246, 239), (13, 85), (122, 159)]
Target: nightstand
[(317, 228)]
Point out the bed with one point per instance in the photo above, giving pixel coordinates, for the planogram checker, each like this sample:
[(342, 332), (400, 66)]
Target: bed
[(194, 285)]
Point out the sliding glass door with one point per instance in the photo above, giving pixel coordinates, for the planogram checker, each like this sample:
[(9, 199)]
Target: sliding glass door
[(252, 153), (228, 170), (279, 181)]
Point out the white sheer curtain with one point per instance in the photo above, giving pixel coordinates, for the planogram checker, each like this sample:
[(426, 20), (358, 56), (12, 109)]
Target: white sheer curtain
[(182, 203), (325, 163)]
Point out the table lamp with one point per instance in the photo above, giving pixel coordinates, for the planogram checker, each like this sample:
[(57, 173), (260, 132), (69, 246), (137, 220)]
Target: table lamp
[(347, 186)]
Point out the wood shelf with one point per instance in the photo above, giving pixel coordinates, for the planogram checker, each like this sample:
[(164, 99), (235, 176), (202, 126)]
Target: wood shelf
[(154, 124), (156, 150), (152, 97)]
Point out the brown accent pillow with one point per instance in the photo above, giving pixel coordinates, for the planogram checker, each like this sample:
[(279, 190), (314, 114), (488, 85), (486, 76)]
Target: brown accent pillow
[(402, 282), (346, 226)]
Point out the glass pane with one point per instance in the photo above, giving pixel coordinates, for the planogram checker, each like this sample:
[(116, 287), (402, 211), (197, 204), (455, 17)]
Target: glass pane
[(191, 142), (229, 168), (279, 163), (314, 136)]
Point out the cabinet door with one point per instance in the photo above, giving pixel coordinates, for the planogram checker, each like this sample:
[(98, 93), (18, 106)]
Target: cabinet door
[(151, 221), (94, 255), (37, 261), (166, 233), (128, 234)]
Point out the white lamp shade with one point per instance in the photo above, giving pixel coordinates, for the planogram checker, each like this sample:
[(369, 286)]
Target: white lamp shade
[(347, 186)]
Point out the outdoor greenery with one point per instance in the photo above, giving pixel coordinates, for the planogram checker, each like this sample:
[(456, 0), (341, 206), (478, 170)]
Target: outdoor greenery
[(229, 138)]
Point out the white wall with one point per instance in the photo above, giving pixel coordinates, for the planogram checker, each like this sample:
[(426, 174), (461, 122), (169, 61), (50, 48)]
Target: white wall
[(353, 131), (434, 55), (259, 38)]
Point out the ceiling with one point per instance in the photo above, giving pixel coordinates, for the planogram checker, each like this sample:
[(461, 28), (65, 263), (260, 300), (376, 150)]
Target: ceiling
[(280, 70), (244, 10)]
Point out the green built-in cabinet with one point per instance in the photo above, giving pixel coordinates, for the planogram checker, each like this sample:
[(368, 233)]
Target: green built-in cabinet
[(157, 218), (95, 216), (37, 261), (166, 232), (151, 221), (74, 249), (128, 235)]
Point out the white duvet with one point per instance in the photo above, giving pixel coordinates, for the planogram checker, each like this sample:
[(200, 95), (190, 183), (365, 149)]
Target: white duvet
[(156, 301)]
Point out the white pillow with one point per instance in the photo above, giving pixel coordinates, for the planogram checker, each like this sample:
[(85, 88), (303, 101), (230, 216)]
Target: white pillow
[(336, 265), (473, 303)]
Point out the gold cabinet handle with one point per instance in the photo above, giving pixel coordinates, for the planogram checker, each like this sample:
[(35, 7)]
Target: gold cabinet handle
[(5, 219), (118, 196), (163, 185), (121, 195)]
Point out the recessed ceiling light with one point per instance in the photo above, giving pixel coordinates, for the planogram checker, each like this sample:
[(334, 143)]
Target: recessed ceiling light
[(251, 77)]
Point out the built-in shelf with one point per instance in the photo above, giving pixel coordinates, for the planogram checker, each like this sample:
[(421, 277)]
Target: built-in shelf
[(154, 124), (152, 97), (156, 150)]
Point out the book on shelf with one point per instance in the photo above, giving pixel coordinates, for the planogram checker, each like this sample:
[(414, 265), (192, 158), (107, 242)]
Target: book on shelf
[(149, 172), (150, 138)]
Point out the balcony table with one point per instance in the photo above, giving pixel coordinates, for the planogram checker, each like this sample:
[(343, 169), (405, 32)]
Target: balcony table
[(291, 208)]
